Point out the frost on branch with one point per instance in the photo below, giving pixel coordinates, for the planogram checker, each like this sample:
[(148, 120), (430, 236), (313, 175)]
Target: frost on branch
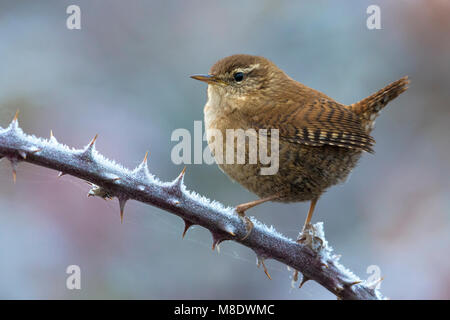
[(108, 179)]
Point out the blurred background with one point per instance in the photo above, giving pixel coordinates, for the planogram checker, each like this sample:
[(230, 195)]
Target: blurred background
[(125, 76)]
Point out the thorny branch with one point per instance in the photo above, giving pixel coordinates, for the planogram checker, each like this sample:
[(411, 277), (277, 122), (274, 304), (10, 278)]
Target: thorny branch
[(314, 260)]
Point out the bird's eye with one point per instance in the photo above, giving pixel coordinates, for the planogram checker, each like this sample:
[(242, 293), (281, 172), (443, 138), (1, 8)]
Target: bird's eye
[(238, 76)]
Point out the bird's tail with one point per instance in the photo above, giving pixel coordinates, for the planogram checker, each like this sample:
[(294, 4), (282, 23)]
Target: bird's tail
[(369, 108)]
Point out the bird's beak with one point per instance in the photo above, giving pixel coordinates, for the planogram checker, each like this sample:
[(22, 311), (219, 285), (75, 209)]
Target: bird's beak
[(210, 79)]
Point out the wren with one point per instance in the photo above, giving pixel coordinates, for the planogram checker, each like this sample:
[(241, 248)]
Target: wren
[(320, 140)]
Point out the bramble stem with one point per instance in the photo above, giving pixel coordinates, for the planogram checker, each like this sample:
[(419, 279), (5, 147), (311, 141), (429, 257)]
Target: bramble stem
[(112, 180)]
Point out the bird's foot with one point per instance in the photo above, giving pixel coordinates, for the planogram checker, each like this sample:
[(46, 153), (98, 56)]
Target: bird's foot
[(309, 237), (240, 209)]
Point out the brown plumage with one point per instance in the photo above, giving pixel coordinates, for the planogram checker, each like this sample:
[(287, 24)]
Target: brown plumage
[(320, 140)]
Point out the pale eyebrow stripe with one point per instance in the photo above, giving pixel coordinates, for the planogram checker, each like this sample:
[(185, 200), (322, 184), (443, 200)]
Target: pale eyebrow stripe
[(248, 69)]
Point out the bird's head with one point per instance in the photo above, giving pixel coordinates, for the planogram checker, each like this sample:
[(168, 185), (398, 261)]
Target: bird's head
[(240, 75)]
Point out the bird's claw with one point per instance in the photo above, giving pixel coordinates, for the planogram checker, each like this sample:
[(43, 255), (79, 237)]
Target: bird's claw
[(248, 226), (309, 238), (248, 223)]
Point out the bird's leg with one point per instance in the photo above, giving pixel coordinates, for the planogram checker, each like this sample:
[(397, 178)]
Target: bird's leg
[(240, 209), (310, 212), (307, 224)]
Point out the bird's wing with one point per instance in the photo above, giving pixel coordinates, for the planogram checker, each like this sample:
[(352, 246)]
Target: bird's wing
[(320, 122)]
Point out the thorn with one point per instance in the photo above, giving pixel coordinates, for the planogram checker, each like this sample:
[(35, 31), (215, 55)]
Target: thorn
[(215, 244), (52, 137), (23, 154), (231, 233), (216, 241), (16, 117), (144, 162), (229, 229), (187, 225), (92, 143), (259, 262), (89, 149), (15, 122), (304, 279), (294, 275), (294, 278), (35, 151), (180, 178), (178, 182), (375, 284), (142, 169), (122, 201), (60, 174), (351, 284), (14, 163)]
